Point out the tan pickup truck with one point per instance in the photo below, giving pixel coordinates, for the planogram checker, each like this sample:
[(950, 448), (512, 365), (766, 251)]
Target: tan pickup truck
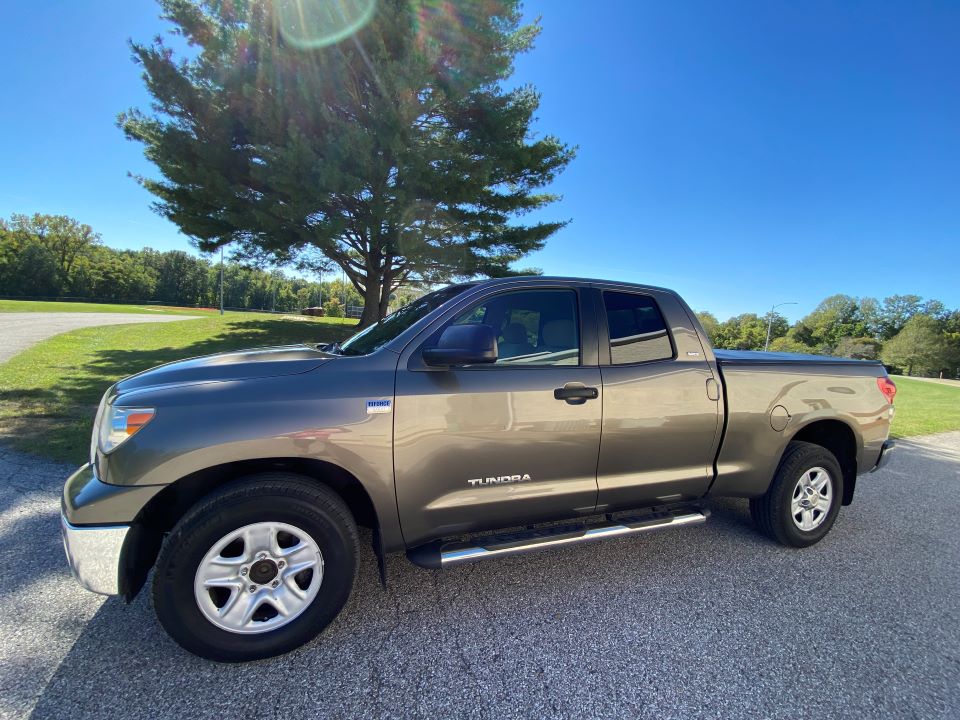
[(482, 420)]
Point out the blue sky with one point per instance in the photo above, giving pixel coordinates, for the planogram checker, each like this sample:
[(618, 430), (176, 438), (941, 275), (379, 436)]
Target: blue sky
[(742, 153)]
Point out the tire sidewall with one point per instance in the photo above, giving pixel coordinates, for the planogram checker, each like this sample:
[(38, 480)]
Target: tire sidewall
[(176, 605)]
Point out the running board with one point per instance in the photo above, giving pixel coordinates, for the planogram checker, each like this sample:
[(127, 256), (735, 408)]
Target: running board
[(440, 554)]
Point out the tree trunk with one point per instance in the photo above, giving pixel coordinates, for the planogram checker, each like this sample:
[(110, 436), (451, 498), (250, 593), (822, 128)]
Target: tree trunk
[(377, 286), (385, 286), (371, 303)]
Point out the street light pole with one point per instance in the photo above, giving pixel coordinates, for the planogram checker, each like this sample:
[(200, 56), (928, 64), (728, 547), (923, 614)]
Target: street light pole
[(221, 279), (766, 345)]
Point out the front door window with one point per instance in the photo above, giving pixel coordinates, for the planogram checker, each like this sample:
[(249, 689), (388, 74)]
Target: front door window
[(534, 327)]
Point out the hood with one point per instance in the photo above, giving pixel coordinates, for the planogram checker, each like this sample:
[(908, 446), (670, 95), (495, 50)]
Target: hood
[(241, 365)]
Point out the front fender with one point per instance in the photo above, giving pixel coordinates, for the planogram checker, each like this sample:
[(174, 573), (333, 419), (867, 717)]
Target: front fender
[(320, 415)]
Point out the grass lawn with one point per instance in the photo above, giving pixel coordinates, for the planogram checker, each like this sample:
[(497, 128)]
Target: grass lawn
[(49, 393), (7, 306), (41, 306), (925, 407)]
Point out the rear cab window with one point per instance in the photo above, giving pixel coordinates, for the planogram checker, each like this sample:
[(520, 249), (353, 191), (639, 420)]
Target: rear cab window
[(637, 330)]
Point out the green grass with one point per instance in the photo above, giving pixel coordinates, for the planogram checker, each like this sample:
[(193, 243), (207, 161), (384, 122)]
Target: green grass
[(53, 306), (40, 306), (925, 407), (49, 393)]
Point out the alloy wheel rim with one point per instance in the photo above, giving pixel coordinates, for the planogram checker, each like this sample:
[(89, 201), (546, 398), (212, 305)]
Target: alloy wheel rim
[(258, 578), (811, 499)]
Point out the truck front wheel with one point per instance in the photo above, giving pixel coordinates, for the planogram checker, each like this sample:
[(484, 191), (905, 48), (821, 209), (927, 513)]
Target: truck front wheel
[(256, 569), (804, 498)]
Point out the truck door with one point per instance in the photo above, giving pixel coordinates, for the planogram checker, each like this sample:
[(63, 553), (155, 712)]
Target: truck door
[(661, 407), (504, 444)]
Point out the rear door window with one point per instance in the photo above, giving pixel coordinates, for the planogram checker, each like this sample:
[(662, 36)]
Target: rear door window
[(637, 330)]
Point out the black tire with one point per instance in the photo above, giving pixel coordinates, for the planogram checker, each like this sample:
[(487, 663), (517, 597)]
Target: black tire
[(269, 497), (771, 512)]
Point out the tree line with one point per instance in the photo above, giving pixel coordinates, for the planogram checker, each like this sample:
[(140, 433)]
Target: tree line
[(907, 333), (56, 256)]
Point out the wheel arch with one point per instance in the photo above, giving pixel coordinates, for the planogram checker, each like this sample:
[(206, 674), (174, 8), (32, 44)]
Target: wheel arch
[(165, 509), (840, 439)]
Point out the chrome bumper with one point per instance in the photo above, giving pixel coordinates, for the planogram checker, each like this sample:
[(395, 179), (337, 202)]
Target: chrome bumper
[(94, 554)]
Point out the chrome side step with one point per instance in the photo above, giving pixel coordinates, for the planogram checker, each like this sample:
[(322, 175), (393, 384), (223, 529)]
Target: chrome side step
[(441, 554)]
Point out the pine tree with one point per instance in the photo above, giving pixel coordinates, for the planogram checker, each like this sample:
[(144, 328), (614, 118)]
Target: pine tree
[(397, 152)]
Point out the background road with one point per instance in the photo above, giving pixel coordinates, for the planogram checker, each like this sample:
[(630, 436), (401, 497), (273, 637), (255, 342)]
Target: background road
[(711, 621), (20, 330)]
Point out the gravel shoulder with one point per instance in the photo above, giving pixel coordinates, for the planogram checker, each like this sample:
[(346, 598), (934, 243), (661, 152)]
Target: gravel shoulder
[(713, 621), (21, 330)]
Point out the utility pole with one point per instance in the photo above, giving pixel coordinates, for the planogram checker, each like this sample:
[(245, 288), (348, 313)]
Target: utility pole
[(766, 345), (221, 279)]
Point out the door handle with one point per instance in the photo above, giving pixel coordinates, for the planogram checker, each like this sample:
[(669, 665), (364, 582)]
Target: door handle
[(575, 393)]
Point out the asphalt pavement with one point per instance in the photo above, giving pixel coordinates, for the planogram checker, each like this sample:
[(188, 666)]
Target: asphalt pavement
[(711, 621), (20, 330)]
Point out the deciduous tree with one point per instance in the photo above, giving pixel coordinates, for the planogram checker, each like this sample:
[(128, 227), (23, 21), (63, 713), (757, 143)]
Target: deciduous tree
[(897, 310), (919, 347), (709, 322), (836, 317), (788, 344), (862, 348), (41, 252), (748, 331)]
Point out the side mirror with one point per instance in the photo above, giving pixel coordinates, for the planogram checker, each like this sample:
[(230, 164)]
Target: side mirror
[(463, 345)]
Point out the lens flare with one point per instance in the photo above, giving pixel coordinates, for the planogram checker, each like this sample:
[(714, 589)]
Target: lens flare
[(310, 24)]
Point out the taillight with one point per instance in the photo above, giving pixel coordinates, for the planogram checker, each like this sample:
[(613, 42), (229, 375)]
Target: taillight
[(887, 387)]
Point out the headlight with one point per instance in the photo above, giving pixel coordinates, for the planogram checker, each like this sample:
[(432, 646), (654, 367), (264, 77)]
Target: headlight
[(117, 424)]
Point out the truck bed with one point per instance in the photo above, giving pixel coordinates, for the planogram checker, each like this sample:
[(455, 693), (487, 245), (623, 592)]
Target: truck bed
[(770, 397)]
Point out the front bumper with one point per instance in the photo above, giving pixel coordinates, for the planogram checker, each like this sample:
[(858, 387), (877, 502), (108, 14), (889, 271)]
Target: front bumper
[(885, 451), (94, 554), (96, 520)]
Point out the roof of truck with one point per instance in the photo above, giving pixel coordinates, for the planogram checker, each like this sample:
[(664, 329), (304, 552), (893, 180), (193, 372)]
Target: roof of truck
[(558, 278)]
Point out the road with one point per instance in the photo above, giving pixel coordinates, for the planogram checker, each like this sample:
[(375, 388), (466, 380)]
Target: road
[(712, 621), (21, 330)]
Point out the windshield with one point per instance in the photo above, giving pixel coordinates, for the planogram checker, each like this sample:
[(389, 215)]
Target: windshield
[(376, 336)]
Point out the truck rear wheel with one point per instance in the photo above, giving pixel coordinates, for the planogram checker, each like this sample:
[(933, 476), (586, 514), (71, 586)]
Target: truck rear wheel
[(256, 569), (804, 498)]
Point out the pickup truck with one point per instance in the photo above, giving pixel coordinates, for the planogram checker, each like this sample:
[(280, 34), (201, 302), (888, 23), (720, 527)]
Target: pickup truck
[(481, 420)]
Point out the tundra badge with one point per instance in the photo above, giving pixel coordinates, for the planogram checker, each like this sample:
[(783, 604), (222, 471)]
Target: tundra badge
[(499, 480)]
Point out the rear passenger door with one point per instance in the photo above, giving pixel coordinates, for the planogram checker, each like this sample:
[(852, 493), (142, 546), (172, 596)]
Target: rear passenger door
[(660, 422)]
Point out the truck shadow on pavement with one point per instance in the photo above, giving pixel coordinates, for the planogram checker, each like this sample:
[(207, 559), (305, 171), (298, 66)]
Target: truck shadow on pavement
[(713, 619)]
